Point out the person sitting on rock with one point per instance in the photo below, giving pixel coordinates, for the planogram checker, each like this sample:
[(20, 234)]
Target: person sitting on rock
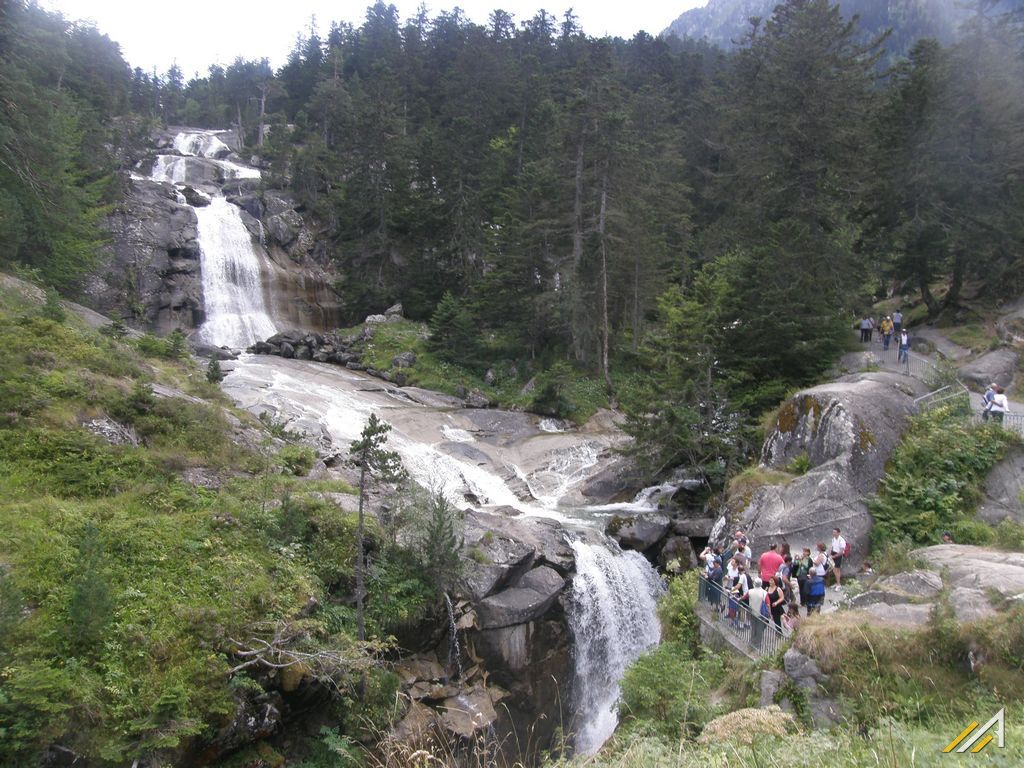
[(947, 537), (792, 619)]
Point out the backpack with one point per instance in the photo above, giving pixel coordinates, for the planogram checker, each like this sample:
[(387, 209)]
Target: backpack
[(846, 551), (828, 564)]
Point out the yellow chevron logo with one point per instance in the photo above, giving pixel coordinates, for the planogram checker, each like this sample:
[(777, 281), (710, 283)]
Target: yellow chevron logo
[(976, 743)]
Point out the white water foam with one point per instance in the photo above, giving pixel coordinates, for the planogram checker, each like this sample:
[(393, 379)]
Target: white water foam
[(613, 620), (201, 144), (566, 468), (236, 315), (456, 435)]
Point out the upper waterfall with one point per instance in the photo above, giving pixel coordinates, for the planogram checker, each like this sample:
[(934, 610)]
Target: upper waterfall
[(236, 313)]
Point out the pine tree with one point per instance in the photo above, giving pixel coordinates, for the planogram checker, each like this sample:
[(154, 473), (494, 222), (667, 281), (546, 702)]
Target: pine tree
[(369, 453)]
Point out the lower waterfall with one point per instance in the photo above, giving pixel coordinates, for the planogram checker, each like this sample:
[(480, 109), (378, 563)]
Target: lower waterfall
[(613, 620), (236, 315)]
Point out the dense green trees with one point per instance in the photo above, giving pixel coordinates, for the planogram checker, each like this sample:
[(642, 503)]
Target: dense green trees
[(557, 185)]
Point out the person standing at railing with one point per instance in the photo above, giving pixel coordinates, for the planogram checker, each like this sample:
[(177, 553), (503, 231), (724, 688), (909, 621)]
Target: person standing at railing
[(803, 572), (714, 585), (904, 347), (775, 596), (757, 618), (897, 321), (1000, 405), (986, 400)]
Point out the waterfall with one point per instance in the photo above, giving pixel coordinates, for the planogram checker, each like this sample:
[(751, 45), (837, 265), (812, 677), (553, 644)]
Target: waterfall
[(236, 315), (613, 620)]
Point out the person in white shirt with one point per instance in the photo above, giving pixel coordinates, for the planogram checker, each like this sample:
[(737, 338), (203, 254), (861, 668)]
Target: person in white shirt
[(838, 551), (999, 405)]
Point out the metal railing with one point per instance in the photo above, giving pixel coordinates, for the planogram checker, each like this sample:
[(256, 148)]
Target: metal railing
[(954, 394), (759, 634)]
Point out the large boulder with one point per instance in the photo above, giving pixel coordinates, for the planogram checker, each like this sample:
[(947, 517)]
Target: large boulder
[(998, 366), (845, 431), (1004, 490), (639, 533), (917, 583), (528, 600), (978, 568)]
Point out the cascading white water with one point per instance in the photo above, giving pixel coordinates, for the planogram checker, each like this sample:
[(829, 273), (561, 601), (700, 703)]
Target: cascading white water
[(613, 620), (236, 315)]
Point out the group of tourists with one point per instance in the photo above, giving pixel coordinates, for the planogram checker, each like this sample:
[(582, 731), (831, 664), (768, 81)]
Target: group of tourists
[(888, 327), (777, 586)]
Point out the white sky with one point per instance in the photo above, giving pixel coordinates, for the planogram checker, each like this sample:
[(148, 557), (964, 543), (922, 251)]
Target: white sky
[(197, 33)]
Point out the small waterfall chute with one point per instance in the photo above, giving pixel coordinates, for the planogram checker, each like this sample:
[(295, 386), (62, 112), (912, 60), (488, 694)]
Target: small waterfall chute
[(612, 615)]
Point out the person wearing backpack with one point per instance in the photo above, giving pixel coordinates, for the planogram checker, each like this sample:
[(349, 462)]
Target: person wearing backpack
[(839, 549)]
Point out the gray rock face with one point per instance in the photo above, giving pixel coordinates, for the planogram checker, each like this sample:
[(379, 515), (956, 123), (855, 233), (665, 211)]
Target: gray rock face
[(998, 366), (846, 429), (1003, 489), (977, 567), (906, 615), (152, 271), (639, 533), (913, 583), (970, 604), (528, 600), (619, 481), (404, 360)]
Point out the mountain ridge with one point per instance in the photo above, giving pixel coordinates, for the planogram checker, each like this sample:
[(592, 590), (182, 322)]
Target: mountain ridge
[(725, 22)]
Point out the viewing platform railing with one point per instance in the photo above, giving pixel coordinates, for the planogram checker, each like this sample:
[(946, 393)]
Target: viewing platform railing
[(759, 634)]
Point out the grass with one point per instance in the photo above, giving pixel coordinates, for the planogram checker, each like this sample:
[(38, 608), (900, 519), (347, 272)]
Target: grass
[(976, 337), (743, 485), (580, 395)]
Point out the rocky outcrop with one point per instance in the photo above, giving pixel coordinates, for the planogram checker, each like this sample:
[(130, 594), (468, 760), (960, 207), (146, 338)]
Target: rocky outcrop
[(803, 673), (640, 533), (999, 366), (845, 431), (1004, 490), (978, 568), (151, 274)]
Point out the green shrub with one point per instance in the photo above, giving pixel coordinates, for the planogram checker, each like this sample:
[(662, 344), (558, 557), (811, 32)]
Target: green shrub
[(669, 692), (677, 614), (214, 374), (297, 459), (934, 478)]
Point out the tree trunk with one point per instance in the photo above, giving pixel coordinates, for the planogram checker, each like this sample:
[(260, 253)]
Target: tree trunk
[(957, 281), (238, 126), (263, 112), (604, 279), (577, 249), (360, 554)]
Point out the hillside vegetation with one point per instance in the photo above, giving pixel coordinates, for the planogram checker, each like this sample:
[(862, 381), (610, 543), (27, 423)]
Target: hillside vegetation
[(132, 601)]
